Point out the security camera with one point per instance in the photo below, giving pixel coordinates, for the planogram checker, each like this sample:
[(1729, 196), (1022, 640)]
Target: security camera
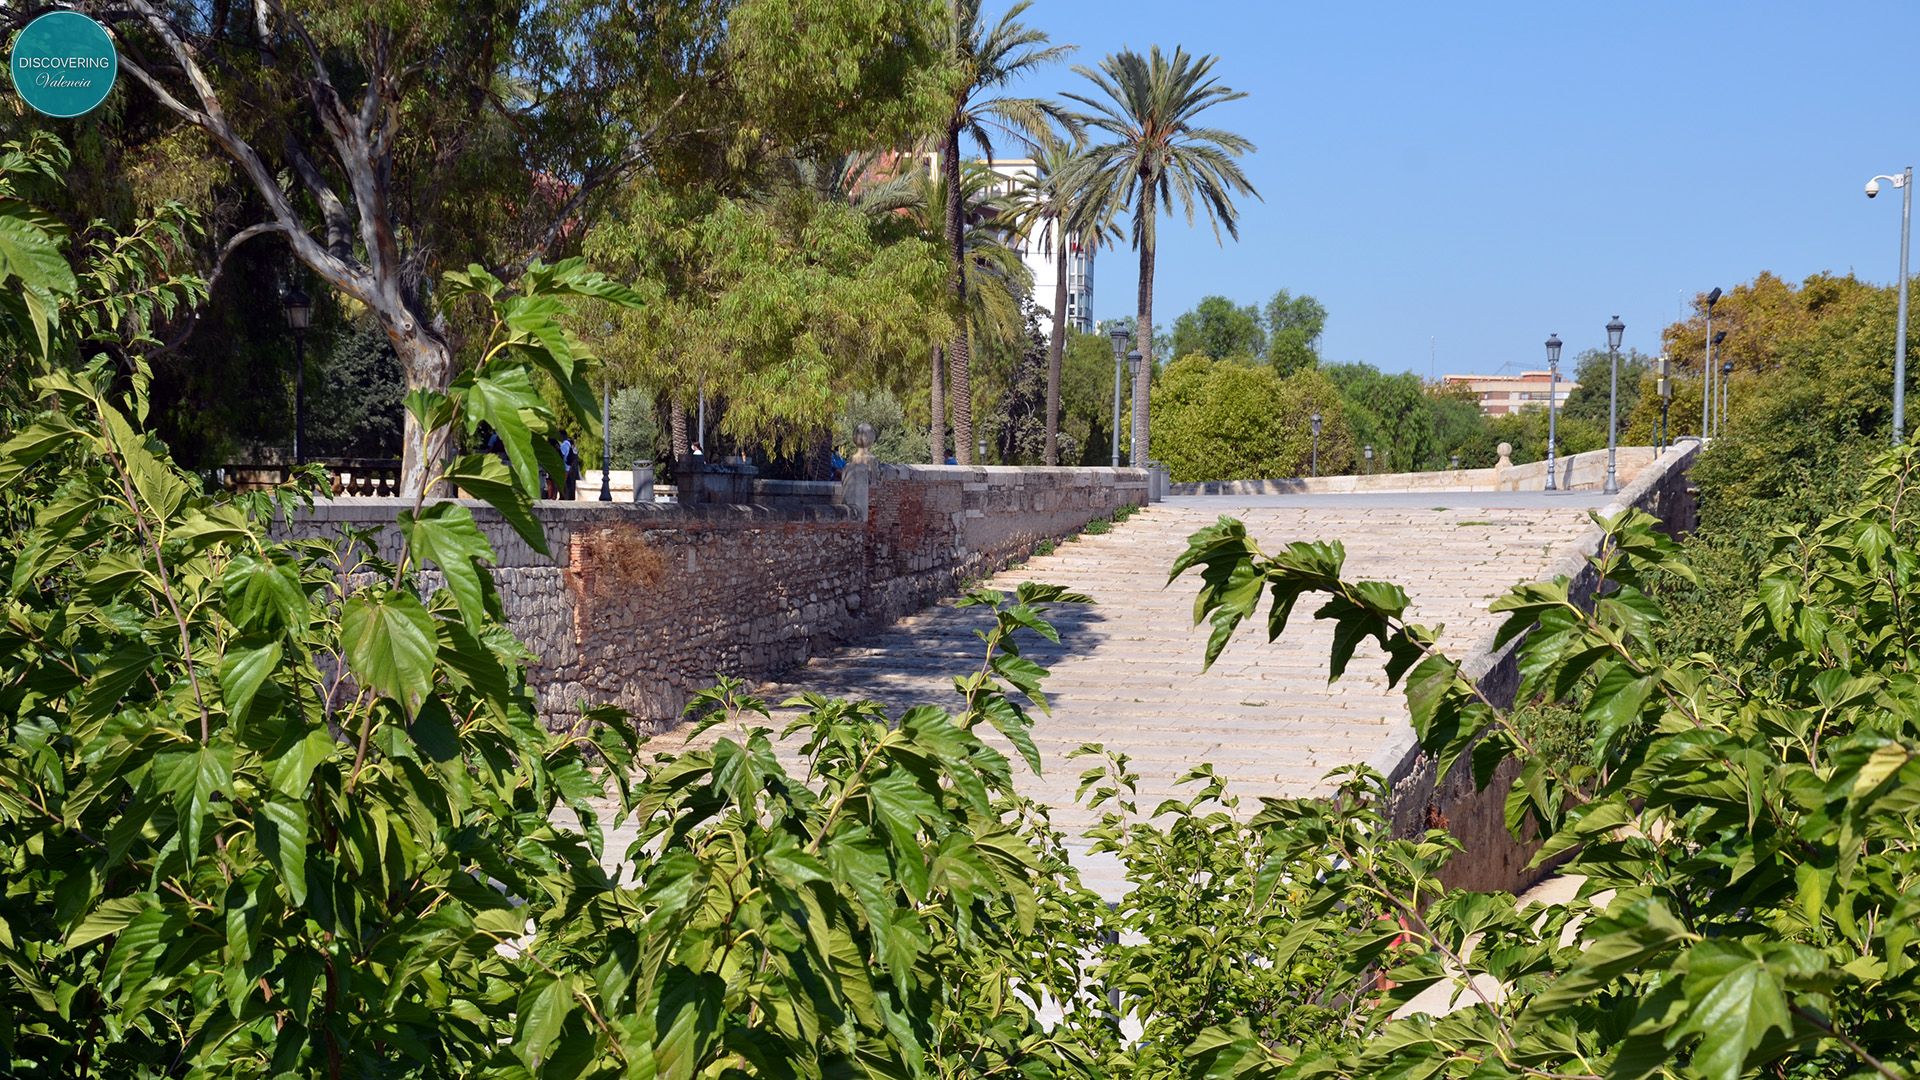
[(1873, 188)]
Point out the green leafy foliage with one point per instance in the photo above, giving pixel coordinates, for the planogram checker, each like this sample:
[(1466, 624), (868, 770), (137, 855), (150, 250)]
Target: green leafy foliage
[(283, 809), (1225, 420), (1743, 826)]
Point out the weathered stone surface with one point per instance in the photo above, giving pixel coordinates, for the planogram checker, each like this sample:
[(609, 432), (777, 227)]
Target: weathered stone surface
[(1127, 672), (640, 605)]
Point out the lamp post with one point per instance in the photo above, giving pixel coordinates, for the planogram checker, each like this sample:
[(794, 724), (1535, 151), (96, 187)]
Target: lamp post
[(606, 444), (1665, 387), (1553, 403), (1905, 183), (1133, 436), (299, 309), (1368, 450), (1726, 391), (1316, 445), (1706, 373), (1615, 329), (1119, 336), (1713, 343)]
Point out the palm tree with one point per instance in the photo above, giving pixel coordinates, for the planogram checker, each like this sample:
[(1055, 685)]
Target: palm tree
[(987, 58), (1050, 207), (1159, 156), (994, 277)]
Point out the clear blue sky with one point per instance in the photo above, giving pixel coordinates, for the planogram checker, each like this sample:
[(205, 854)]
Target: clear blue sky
[(1483, 174)]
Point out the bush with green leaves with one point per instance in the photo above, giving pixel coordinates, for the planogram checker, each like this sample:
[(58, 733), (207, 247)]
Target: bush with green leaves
[(276, 808), (1744, 827)]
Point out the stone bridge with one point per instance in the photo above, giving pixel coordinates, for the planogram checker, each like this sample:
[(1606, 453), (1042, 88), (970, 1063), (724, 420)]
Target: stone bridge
[(828, 590), (1127, 671)]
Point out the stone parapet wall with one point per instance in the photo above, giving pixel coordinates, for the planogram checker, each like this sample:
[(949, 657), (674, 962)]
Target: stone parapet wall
[(641, 605), (933, 528), (1492, 859), (1575, 472)]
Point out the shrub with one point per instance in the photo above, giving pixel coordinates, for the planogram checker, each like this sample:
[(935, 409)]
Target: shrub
[(1223, 420), (1744, 826)]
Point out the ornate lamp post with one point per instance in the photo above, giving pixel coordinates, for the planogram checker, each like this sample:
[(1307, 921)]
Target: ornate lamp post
[(1615, 329), (606, 444), (1553, 403), (299, 309), (1316, 445), (1715, 341), (1119, 336), (1706, 373), (1133, 441), (1726, 392), (1665, 388), (1905, 183)]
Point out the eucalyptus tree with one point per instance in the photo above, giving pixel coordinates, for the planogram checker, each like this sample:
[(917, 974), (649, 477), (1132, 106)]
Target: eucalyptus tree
[(1159, 156), (985, 58), (388, 143), (1050, 207)]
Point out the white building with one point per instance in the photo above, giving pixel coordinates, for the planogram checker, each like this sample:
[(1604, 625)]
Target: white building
[(1039, 259)]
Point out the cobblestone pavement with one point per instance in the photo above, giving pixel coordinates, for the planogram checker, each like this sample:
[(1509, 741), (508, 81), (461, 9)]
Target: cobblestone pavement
[(1127, 672)]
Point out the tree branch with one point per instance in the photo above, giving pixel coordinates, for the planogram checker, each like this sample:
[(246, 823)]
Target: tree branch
[(211, 118)]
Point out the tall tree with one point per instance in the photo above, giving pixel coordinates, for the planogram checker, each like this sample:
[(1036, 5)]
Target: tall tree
[(1049, 208), (1160, 155), (994, 278), (386, 144), (1294, 325), (1219, 328), (985, 58)]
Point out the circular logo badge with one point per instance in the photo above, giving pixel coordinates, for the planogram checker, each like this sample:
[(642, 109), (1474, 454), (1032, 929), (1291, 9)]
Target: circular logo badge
[(63, 64)]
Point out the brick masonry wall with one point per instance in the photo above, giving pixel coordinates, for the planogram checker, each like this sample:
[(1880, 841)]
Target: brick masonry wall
[(641, 605)]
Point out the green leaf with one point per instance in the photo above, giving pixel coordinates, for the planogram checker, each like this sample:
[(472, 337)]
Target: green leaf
[(243, 670), (293, 770), (503, 397), (445, 534), (541, 1013), (280, 827), (106, 919), (1737, 1003), (193, 778), (389, 640), (263, 594), (486, 478), (687, 1020)]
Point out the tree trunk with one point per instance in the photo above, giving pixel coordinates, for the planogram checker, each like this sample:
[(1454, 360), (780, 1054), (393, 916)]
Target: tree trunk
[(428, 365), (1056, 348), (1143, 335), (937, 434), (677, 421), (959, 355)]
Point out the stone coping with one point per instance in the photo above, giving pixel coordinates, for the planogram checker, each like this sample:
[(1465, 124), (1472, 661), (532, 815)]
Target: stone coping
[(570, 511)]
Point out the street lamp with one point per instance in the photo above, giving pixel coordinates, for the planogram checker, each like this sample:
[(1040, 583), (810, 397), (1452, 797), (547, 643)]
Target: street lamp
[(1905, 183), (1665, 386), (1134, 458), (1615, 329), (299, 309), (1706, 373), (606, 444), (1119, 336), (1316, 444), (1368, 450), (1719, 337), (1553, 395), (1726, 380)]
